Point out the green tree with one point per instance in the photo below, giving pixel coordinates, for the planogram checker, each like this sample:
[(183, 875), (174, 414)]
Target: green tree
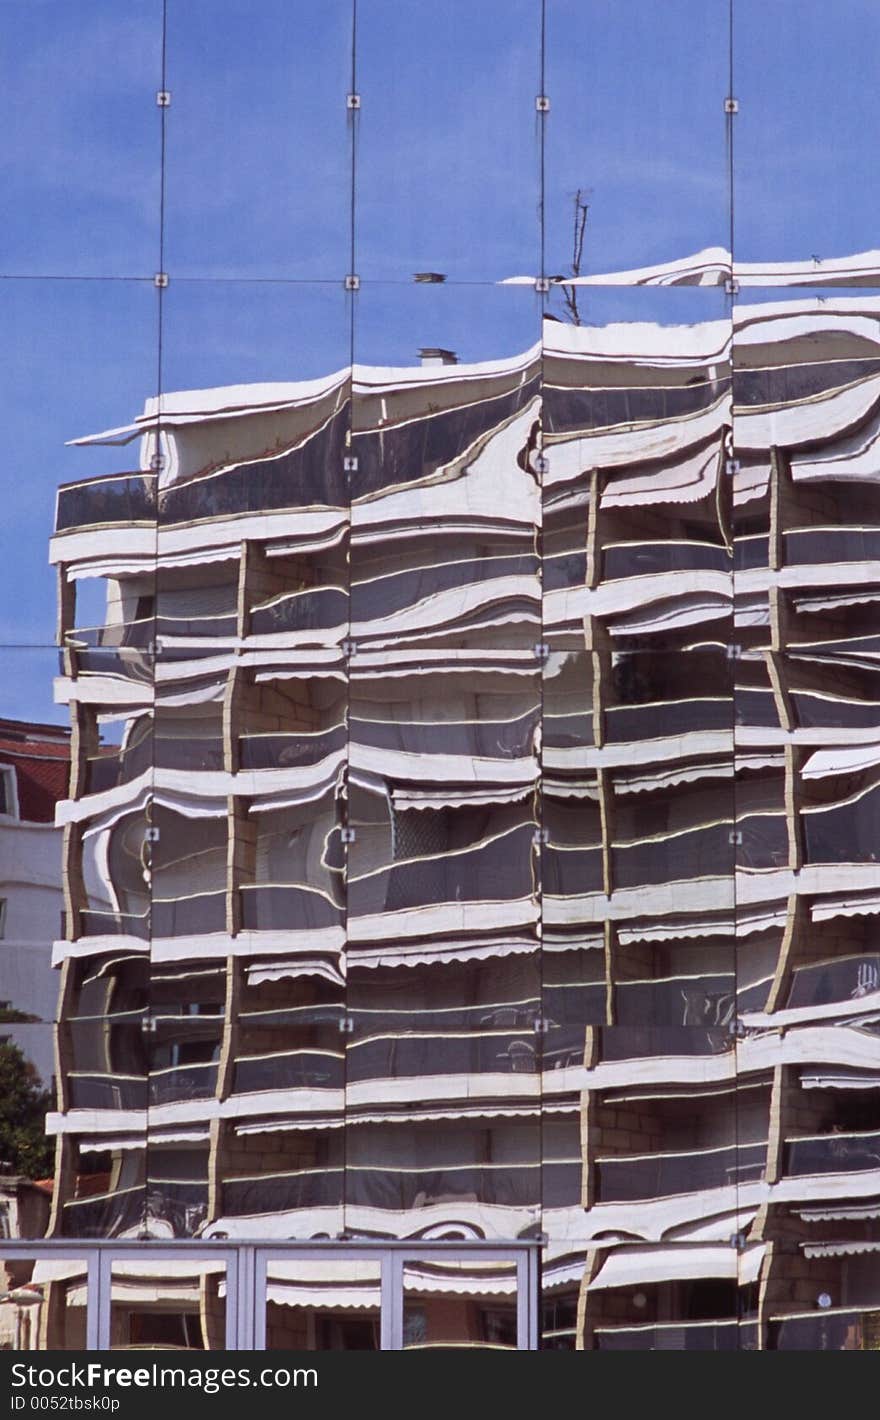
[(11, 1015), (23, 1106)]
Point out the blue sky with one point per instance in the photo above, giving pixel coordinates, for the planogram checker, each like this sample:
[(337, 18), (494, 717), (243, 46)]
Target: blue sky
[(257, 218)]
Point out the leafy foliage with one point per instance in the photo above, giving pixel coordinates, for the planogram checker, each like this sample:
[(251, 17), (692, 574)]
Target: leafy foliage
[(10, 1015), (23, 1106)]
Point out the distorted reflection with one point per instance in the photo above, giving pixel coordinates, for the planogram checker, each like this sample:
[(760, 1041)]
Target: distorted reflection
[(42, 1304), (472, 835), (331, 1304)]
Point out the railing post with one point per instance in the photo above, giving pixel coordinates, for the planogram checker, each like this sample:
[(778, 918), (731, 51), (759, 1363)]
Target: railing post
[(104, 1300), (391, 1314), (260, 1299), (239, 1263), (93, 1297), (529, 1273)]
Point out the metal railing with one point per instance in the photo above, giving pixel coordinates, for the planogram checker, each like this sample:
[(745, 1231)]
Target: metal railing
[(247, 1276)]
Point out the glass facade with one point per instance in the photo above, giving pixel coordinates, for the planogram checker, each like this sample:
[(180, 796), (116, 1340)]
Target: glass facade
[(454, 819)]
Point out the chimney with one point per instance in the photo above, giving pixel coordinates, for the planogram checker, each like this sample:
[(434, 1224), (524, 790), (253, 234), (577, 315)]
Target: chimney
[(433, 355)]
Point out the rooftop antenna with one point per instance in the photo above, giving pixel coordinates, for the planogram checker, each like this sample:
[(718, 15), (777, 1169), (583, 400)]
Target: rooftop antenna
[(581, 208)]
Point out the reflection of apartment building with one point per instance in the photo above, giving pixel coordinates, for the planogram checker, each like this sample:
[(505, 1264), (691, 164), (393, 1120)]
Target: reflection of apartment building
[(470, 835), (24, 1213), (34, 765)]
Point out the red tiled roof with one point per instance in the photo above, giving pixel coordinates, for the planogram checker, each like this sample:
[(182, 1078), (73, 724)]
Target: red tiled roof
[(34, 732), (40, 755)]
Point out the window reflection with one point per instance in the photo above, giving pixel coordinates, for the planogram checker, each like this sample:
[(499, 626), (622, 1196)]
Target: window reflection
[(470, 833)]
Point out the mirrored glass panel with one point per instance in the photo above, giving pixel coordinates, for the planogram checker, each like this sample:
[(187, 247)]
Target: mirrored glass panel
[(42, 1299), (433, 857), (444, 1048), (178, 1194), (469, 1178), (35, 765), (636, 425), (221, 334), (82, 173), (168, 1304), (447, 104), (806, 712), (92, 349), (822, 1293), (103, 1090), (805, 511), (635, 152), (449, 1302), (806, 102), (562, 1271), (281, 1174), (672, 1138), (680, 1142), (445, 492), (249, 745), (35, 770), (443, 1072), (676, 1297), (258, 150), (101, 1181), (652, 805), (326, 1304), (187, 1002)]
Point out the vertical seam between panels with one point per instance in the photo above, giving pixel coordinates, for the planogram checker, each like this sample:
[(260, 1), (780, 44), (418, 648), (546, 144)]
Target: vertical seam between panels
[(351, 299), (732, 663), (539, 540)]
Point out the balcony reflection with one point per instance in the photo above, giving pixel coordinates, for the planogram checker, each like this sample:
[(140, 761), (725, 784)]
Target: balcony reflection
[(471, 825)]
